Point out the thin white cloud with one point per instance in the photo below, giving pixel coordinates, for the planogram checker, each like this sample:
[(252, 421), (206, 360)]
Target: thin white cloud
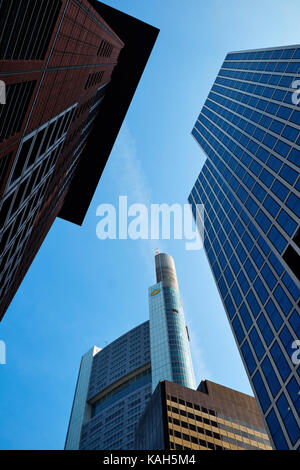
[(131, 181), (200, 367)]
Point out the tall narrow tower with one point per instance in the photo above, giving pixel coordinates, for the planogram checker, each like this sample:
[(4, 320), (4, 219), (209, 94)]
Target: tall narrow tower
[(169, 338)]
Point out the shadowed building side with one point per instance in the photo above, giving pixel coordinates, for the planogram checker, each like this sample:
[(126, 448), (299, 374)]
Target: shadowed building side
[(69, 81)]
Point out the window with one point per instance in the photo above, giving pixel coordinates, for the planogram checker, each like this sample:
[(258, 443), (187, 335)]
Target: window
[(276, 264), (288, 418), (238, 330), (280, 361), (282, 148), (295, 322), (21, 159), (93, 79), (4, 163), (256, 343), (243, 282), (276, 432), (293, 389), (246, 319), (35, 148), (253, 304), (18, 96), (261, 392), (286, 222), (270, 376), (282, 300), (288, 174), (277, 239), (105, 49), (26, 27), (294, 156), (261, 291), (293, 202)]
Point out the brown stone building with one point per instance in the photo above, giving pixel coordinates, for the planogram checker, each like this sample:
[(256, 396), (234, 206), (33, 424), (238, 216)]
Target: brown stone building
[(70, 69), (210, 418)]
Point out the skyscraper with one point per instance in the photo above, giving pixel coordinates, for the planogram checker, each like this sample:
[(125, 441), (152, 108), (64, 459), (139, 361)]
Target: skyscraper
[(170, 349), (114, 384), (212, 417), (249, 130), (62, 67), (112, 390)]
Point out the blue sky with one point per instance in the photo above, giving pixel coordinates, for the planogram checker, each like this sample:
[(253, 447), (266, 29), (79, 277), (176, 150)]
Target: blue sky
[(81, 291)]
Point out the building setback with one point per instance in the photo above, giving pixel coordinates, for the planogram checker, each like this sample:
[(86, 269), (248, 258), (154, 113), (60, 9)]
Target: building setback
[(63, 66), (210, 418), (249, 130), (113, 388)]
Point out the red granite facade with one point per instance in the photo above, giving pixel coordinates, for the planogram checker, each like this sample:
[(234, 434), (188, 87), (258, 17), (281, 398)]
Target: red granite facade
[(56, 60)]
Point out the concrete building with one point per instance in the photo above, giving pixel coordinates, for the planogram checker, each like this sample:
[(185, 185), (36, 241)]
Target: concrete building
[(210, 418)]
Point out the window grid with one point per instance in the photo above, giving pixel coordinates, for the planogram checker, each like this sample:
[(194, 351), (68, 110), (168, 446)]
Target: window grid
[(249, 130)]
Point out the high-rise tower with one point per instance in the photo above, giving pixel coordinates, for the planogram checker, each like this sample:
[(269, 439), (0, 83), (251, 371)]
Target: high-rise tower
[(249, 129), (114, 384), (169, 337), (62, 65)]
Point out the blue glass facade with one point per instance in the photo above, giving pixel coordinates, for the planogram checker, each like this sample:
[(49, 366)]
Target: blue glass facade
[(112, 394), (249, 130), (170, 349)]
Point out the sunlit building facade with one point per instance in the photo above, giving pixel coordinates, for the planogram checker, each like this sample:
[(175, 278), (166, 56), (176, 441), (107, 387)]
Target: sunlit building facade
[(249, 184), (212, 417)]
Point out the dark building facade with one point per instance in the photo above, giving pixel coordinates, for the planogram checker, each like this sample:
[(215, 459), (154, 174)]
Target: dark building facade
[(210, 418), (249, 130), (113, 388), (63, 101)]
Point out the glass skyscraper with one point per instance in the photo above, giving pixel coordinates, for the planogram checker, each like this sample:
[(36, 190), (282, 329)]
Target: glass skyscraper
[(114, 384), (169, 338), (249, 130), (113, 388)]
